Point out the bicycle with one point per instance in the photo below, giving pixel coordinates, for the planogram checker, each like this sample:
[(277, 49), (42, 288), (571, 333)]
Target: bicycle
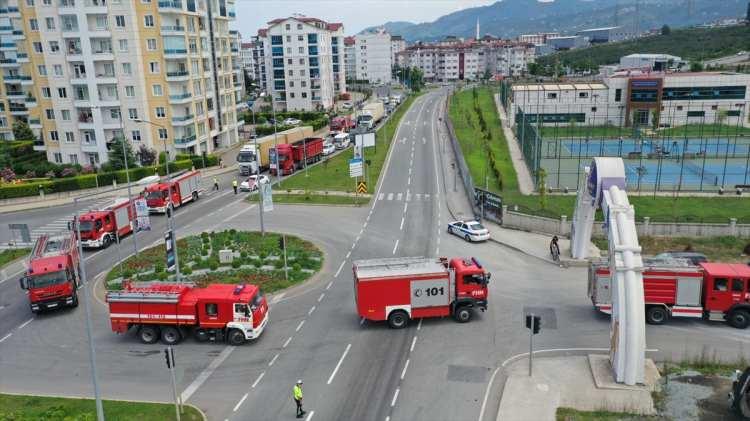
[(555, 252)]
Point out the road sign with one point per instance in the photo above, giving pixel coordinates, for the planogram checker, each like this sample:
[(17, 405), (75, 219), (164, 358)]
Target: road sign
[(362, 187), (355, 168), (22, 230), (266, 197), (365, 139), (169, 241), (143, 221)]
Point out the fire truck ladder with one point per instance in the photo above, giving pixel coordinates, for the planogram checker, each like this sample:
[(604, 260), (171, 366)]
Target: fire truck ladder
[(46, 246), (605, 187), (167, 293)]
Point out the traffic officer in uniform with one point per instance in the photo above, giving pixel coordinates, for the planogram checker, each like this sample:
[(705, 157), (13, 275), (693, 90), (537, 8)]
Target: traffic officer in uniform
[(234, 185), (297, 395)]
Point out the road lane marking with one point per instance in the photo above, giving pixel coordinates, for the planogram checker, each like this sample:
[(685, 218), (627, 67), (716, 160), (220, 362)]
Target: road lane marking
[(311, 310), (289, 339), (348, 254), (413, 342), (273, 360), (205, 374), (329, 285), (239, 213), (406, 206), (395, 247), (277, 298), (409, 182), (309, 417), (403, 372), (381, 196), (6, 337), (395, 396), (487, 394), (25, 323), (322, 294), (258, 379), (361, 321), (409, 170), (390, 196), (339, 271), (299, 326), (341, 360), (398, 196), (236, 407), (419, 325), (402, 224)]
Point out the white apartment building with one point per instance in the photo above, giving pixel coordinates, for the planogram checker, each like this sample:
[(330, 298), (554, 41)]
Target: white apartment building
[(304, 61), (246, 55), (372, 52), (259, 60), (88, 72), (350, 60), (398, 44)]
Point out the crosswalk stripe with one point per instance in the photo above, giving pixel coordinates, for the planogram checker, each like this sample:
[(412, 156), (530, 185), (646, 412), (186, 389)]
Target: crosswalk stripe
[(419, 196), (381, 196), (408, 196), (398, 196), (390, 196), (426, 197)]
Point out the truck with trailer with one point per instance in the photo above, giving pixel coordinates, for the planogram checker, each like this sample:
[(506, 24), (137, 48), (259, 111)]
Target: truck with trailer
[(247, 160), (51, 279), (404, 288), (676, 288), (166, 195), (174, 311), (266, 143), (100, 228), (294, 156), (371, 114)]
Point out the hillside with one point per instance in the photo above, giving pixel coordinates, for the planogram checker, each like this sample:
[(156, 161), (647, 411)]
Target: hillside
[(694, 44), (509, 18)]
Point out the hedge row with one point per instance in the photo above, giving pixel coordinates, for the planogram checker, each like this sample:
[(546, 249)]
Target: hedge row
[(316, 124), (90, 181)]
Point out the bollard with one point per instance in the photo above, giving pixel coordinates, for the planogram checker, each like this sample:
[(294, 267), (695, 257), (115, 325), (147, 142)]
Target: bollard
[(733, 227)]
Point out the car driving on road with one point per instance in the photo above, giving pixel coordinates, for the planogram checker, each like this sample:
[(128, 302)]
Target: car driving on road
[(328, 148), (252, 182), (469, 230), (291, 122)]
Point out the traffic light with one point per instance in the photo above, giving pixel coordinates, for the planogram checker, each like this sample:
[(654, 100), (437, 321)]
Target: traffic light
[(281, 243), (534, 323)]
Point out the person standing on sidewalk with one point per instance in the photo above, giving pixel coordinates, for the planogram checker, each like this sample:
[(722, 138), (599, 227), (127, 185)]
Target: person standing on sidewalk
[(234, 186), (297, 395), (216, 184)]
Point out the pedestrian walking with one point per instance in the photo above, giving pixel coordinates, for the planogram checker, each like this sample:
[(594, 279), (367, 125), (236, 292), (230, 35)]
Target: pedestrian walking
[(216, 184), (297, 395), (234, 186)]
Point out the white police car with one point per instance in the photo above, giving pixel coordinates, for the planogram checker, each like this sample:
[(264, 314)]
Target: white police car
[(469, 230)]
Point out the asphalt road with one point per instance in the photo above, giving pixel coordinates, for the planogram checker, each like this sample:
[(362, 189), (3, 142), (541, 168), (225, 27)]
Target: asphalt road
[(435, 369)]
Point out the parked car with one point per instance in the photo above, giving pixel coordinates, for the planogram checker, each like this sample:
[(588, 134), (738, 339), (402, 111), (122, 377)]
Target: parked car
[(347, 104), (469, 230), (328, 148), (291, 121), (252, 182), (693, 257)]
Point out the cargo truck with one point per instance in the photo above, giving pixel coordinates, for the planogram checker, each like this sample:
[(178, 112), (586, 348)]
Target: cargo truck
[(100, 228), (404, 288), (51, 279), (371, 115), (676, 288), (266, 143), (247, 160), (174, 311), (295, 156), (174, 192)]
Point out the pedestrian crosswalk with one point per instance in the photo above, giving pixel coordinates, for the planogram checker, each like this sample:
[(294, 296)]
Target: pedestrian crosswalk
[(407, 197), (61, 224)]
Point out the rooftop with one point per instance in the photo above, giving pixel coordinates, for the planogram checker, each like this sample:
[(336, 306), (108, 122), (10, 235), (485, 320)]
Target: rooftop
[(397, 266), (559, 87), (605, 28)]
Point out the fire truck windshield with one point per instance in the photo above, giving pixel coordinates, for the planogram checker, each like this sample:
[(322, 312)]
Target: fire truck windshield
[(47, 279), (87, 226), (156, 194)]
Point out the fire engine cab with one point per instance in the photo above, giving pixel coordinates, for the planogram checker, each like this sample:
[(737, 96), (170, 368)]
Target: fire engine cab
[(51, 278)]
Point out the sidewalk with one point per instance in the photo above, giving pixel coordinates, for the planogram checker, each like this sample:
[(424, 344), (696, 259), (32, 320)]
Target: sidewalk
[(525, 182)]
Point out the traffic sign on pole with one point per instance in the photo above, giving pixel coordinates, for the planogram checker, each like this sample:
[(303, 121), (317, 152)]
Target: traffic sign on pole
[(355, 168), (362, 187)]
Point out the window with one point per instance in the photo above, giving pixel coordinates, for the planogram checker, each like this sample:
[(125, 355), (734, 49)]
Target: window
[(58, 69), (211, 308), (618, 95), (73, 158), (47, 2), (54, 46), (696, 113), (50, 113), (58, 157), (133, 113), (157, 90), (65, 115), (46, 92), (160, 112), (302, 50), (199, 108), (135, 135), (291, 84), (313, 39), (276, 40), (288, 38), (304, 84), (551, 95), (733, 113), (62, 93), (33, 24), (38, 47), (42, 69), (738, 285), (299, 26), (583, 94), (120, 21), (148, 21), (302, 61), (70, 137), (163, 134), (127, 69), (300, 38), (288, 27), (30, 3), (302, 72), (154, 66), (721, 284), (123, 45), (130, 91), (593, 109), (114, 113), (151, 44), (291, 94), (50, 23), (304, 94), (54, 136)]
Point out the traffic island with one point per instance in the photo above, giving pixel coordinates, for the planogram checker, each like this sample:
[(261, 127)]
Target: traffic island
[(301, 197), (9, 256), (27, 407), (229, 257)]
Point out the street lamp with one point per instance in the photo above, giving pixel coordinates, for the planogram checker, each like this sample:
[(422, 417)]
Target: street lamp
[(257, 172), (275, 139)]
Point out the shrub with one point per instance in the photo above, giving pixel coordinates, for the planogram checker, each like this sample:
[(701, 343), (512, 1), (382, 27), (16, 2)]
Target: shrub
[(213, 264), (186, 270), (236, 263), (296, 267), (243, 255), (263, 254), (162, 276), (278, 264), (257, 263), (204, 252)]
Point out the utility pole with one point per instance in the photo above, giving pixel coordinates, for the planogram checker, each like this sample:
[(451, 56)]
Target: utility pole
[(169, 357), (257, 163)]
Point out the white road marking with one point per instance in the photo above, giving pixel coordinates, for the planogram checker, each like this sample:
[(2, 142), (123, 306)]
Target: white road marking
[(236, 407), (277, 298), (406, 205), (341, 360), (365, 225), (361, 321), (402, 224), (398, 196), (329, 285), (380, 196), (409, 170), (388, 418), (322, 294), (413, 342), (348, 254), (258, 379), (239, 213), (395, 396), (408, 196), (487, 394), (403, 372), (273, 360), (309, 416), (427, 196), (419, 196), (205, 374), (25, 323), (409, 182), (419, 325), (390, 196), (289, 339), (339, 271), (299, 326), (311, 310), (395, 246), (6, 337)]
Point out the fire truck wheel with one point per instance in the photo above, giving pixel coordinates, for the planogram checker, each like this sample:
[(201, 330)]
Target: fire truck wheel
[(148, 334), (739, 319), (195, 196), (170, 335), (105, 241), (398, 319), (235, 337), (656, 315), (463, 314), (75, 299)]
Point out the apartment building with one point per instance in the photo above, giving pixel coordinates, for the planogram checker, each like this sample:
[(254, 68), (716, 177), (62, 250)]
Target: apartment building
[(248, 62), (84, 73), (304, 61), (372, 52), (259, 59), (398, 44), (350, 59)]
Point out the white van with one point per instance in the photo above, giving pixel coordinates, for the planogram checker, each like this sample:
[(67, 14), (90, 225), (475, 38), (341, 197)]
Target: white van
[(341, 140)]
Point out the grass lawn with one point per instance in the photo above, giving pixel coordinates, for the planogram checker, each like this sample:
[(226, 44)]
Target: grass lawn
[(717, 209), (720, 249), (23, 407), (568, 414), (316, 199), (333, 174), (595, 132), (706, 131), (9, 255)]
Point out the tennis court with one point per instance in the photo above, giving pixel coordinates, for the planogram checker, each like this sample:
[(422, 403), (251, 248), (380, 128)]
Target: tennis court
[(718, 148)]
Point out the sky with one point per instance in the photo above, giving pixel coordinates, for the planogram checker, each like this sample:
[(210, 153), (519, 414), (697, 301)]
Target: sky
[(356, 15)]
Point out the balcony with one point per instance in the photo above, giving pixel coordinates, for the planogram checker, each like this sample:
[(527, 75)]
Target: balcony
[(103, 55), (172, 30), (175, 53), (183, 120), (30, 102), (9, 63), (180, 98), (170, 5), (18, 35), (106, 78), (82, 101), (86, 121), (6, 30), (39, 145), (35, 123), (108, 101), (89, 146), (66, 4), (179, 76), (18, 109), (7, 46), (184, 142), (19, 95), (22, 57), (12, 12), (70, 30), (79, 79), (95, 6)]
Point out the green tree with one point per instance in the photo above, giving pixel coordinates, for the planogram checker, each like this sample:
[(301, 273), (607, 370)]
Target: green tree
[(415, 79), (655, 115), (666, 30), (147, 155), (22, 131), (116, 157), (696, 66)]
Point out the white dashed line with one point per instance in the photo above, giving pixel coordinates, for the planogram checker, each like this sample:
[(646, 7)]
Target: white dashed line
[(311, 310), (348, 254), (341, 360), (6, 337), (236, 407), (258, 379), (309, 417), (327, 288), (419, 325), (413, 342), (395, 396), (273, 360), (339, 271), (408, 183), (289, 339), (402, 224), (395, 247), (25, 323), (299, 326), (403, 372), (406, 206)]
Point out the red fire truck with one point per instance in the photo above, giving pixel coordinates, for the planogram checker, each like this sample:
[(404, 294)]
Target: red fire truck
[(100, 228), (342, 124), (293, 156), (712, 291), (403, 288), (182, 187), (171, 311), (51, 279)]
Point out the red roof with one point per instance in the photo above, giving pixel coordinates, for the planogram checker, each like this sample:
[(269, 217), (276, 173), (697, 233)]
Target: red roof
[(262, 33), (334, 26), (248, 44), (726, 269), (349, 41)]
